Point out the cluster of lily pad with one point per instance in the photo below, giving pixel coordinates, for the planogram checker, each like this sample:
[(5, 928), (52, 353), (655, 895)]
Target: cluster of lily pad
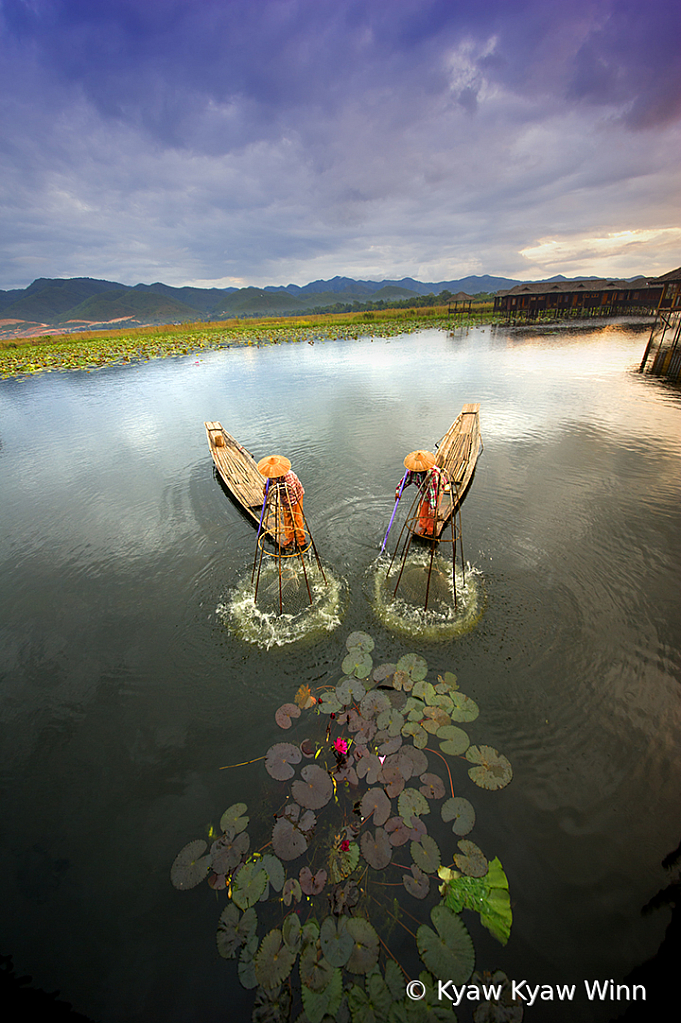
[(74, 351), (348, 800)]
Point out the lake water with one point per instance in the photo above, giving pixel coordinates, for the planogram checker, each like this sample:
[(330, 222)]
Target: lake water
[(124, 687)]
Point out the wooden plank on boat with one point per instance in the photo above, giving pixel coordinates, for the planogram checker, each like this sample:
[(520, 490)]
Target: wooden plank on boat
[(457, 455), (238, 471)]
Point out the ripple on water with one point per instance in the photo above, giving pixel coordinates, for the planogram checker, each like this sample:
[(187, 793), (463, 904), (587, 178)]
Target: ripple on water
[(405, 613), (267, 623)]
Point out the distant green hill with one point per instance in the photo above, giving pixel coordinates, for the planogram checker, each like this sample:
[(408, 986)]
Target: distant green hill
[(45, 301), (147, 307)]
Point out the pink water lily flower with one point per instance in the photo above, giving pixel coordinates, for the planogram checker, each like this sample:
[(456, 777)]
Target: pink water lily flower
[(341, 746)]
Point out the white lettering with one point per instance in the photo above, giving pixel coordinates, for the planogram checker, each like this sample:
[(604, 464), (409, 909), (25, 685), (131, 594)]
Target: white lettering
[(596, 990), (640, 988), (443, 992), (547, 993), (565, 992), (473, 993), (515, 989), (491, 992)]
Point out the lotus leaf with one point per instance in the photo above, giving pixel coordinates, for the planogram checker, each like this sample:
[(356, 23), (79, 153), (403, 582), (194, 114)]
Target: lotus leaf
[(359, 641), (449, 954), (383, 673), (226, 852), (190, 865), (365, 952), (376, 848), (446, 682), (234, 930), (288, 841), (374, 703), (375, 803), (461, 812), (335, 940), (416, 758), (442, 700), (247, 964), (369, 767), (433, 786), (315, 789), (390, 745), (371, 1003), (285, 713), (453, 740), (315, 970), (471, 859), (292, 932), (414, 665), (342, 862), (248, 884), (357, 663), (328, 703), (398, 832), (434, 718), (349, 690), (402, 681), (274, 869), (414, 709), (418, 883), (424, 691), (487, 896), (272, 1005), (494, 772), (426, 854), (279, 759), (233, 819), (464, 708), (419, 735), (274, 960), (291, 892), (312, 884), (411, 803), (326, 1003)]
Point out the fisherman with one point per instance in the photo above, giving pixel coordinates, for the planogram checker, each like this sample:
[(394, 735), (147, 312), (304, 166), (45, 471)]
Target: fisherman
[(285, 486), (422, 470)]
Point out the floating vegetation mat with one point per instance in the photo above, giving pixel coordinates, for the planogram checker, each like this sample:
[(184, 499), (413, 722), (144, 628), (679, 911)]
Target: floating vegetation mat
[(405, 613), (263, 623), (363, 838)]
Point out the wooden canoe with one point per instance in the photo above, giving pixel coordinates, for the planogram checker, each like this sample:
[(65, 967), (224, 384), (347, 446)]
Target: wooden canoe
[(457, 454), (238, 471)]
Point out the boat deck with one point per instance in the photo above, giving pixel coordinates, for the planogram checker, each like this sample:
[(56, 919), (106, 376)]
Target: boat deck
[(238, 471), (457, 454)]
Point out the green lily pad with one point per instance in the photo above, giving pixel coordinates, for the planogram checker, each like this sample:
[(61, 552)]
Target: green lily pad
[(360, 641), (291, 892), (233, 819), (461, 812), (234, 930), (246, 968), (418, 734), (336, 941), (190, 866), (446, 683), (366, 948), (318, 1004), (417, 883), (423, 691), (274, 960), (315, 971), (449, 953), (274, 869), (372, 1002), (494, 770), (249, 884), (374, 703), (376, 848), (471, 860), (426, 854), (292, 932), (414, 665), (411, 803), (390, 721), (453, 740), (487, 896), (328, 703), (464, 708), (350, 690), (357, 663)]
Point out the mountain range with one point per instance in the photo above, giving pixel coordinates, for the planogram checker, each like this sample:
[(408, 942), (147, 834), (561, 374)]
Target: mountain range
[(79, 303)]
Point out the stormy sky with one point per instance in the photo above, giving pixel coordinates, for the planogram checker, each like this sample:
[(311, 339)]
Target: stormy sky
[(253, 142)]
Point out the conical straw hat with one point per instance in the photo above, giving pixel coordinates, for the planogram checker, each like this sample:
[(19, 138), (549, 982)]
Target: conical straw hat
[(417, 461), (273, 466)]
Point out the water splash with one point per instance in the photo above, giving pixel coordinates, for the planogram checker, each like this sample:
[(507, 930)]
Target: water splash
[(405, 613), (262, 623)]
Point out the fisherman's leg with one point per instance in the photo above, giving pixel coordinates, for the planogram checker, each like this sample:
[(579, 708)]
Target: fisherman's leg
[(288, 526), (299, 523)]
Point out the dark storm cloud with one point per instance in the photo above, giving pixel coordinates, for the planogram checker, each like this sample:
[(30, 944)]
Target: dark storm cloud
[(369, 136)]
